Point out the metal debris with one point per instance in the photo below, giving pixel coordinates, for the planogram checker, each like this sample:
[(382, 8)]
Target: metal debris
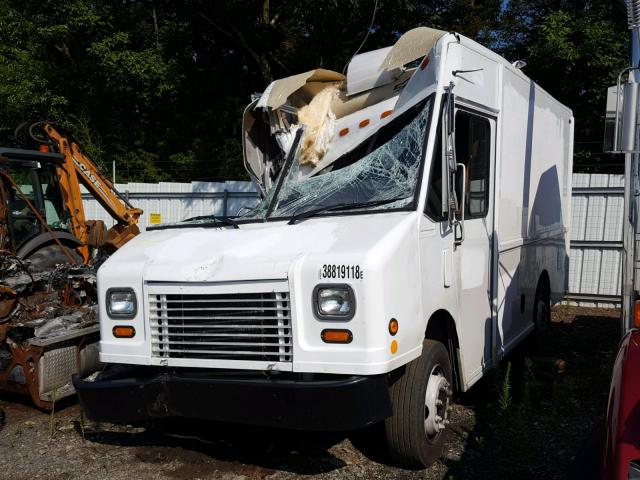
[(48, 328)]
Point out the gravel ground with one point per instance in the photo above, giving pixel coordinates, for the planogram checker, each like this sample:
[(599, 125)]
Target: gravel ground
[(529, 418)]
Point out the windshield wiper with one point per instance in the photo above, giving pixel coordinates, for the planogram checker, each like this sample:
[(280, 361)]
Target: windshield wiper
[(188, 223), (225, 220), (341, 206)]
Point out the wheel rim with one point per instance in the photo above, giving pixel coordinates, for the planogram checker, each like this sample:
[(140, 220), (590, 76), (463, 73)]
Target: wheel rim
[(437, 403)]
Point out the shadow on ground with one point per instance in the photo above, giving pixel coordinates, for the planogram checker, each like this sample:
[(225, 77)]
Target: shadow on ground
[(303, 453), (540, 414), (537, 416)]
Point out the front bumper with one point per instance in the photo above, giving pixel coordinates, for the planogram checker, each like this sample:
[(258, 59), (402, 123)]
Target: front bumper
[(128, 395)]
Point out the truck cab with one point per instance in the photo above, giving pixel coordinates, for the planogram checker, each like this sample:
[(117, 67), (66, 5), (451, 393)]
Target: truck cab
[(412, 231)]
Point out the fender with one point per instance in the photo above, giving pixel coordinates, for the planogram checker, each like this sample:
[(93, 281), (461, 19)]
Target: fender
[(622, 442), (45, 238)]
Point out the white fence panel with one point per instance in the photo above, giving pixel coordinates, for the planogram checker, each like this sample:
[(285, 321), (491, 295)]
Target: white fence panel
[(174, 202), (595, 273)]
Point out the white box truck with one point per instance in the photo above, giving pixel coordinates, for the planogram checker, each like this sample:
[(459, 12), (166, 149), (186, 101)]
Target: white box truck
[(413, 230)]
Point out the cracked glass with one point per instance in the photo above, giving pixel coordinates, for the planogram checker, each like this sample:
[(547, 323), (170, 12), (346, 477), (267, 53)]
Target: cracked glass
[(385, 169)]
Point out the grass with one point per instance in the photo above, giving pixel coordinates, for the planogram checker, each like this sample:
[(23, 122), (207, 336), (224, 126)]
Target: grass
[(81, 423), (3, 416), (533, 413), (52, 417), (504, 397)]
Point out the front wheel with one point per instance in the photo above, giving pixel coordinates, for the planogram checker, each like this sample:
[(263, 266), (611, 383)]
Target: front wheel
[(421, 400)]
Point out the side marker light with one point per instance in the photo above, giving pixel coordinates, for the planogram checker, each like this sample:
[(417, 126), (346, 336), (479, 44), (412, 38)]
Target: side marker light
[(393, 326), (123, 331), (336, 336)]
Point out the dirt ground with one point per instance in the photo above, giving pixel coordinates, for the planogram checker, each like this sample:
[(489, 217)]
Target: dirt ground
[(537, 416)]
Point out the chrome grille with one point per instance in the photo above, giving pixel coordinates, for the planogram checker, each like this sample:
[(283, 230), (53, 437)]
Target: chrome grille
[(241, 326)]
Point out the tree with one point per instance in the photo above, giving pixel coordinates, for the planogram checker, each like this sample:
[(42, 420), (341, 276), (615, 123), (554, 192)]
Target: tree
[(575, 50), (160, 86)]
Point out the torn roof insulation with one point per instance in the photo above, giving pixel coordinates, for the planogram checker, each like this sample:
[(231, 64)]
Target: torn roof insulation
[(337, 112)]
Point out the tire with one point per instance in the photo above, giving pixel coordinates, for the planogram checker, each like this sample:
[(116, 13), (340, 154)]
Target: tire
[(48, 257), (415, 432)]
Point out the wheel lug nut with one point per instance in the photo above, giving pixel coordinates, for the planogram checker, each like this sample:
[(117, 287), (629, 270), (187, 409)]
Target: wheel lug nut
[(438, 418), (438, 402), (446, 422)]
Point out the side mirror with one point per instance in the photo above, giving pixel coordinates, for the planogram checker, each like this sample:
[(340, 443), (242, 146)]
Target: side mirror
[(621, 119)]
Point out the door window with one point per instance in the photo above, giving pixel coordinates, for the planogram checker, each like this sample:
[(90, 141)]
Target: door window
[(473, 149)]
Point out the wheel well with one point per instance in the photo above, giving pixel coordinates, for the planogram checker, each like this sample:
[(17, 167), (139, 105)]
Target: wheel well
[(442, 328), (544, 280), (544, 277)]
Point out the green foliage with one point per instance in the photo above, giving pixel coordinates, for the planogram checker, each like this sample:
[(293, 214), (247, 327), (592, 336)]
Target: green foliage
[(575, 50), (160, 86), (504, 395)]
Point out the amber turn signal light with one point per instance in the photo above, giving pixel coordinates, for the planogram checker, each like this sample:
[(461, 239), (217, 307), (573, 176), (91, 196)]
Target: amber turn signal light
[(393, 326), (336, 336), (122, 331), (636, 314)]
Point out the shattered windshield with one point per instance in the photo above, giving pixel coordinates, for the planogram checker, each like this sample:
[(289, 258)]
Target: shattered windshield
[(385, 167)]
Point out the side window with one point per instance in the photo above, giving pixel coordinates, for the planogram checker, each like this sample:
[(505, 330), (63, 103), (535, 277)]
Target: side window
[(53, 203), (22, 221), (473, 149), (433, 206)]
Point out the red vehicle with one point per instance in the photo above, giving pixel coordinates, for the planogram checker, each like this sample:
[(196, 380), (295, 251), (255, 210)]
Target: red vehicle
[(621, 460), (622, 442)]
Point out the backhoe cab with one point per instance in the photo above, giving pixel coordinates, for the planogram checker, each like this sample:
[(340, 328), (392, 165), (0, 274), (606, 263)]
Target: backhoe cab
[(34, 219)]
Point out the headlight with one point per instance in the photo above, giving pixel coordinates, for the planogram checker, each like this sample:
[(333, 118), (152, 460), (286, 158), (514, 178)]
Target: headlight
[(121, 303), (334, 302)]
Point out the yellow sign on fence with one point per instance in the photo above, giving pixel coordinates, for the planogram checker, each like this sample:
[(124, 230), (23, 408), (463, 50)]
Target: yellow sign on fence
[(155, 218)]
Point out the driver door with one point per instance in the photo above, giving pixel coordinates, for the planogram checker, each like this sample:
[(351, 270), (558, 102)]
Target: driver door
[(474, 253)]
